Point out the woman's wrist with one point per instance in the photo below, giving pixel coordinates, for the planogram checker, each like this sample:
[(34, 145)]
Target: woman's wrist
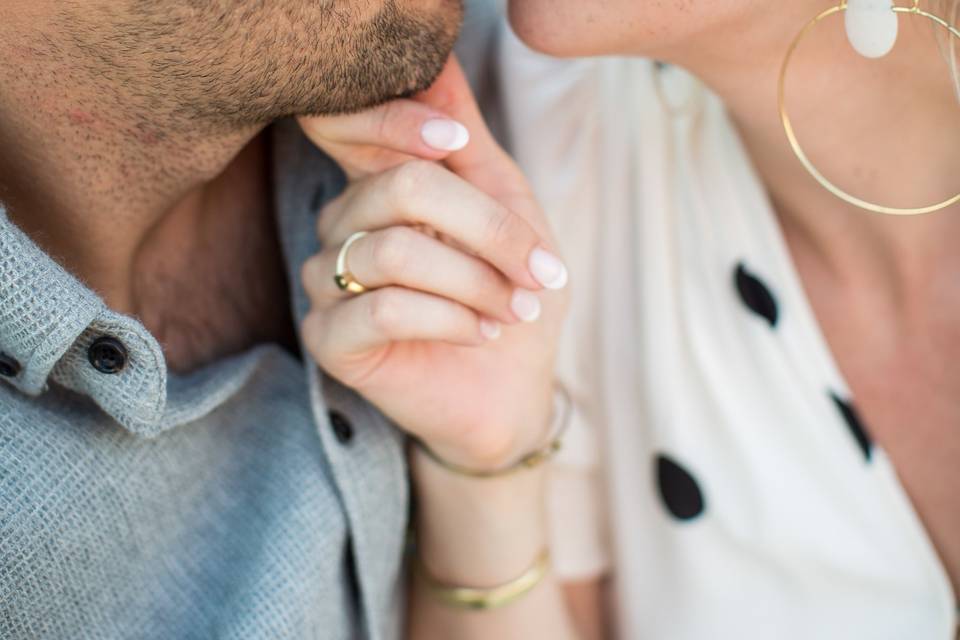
[(503, 449), (477, 532), (484, 525)]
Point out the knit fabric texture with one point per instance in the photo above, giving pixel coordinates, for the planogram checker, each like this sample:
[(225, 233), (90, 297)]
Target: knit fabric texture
[(218, 504)]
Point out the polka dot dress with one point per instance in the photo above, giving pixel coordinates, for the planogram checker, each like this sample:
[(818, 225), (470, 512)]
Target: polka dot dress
[(717, 467)]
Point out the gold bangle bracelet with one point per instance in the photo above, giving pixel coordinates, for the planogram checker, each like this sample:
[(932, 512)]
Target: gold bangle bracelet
[(562, 410), (478, 599), (529, 461)]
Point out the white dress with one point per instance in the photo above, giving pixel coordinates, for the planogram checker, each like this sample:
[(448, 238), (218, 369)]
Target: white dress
[(716, 465)]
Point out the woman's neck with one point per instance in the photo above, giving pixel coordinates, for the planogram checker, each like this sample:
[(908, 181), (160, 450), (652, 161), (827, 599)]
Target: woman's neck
[(884, 130)]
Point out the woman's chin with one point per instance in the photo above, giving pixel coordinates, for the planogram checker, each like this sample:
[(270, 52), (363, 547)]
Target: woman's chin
[(557, 28), (579, 28)]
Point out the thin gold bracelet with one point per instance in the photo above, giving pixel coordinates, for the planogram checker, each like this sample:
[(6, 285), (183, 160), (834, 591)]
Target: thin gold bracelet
[(529, 461), (479, 599)]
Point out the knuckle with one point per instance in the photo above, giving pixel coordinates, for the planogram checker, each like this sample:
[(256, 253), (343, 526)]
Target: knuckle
[(410, 179), (501, 227), (386, 309), (391, 250)]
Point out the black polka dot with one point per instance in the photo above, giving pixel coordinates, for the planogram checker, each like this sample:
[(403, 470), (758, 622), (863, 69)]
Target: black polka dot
[(855, 424), (679, 490), (756, 295)]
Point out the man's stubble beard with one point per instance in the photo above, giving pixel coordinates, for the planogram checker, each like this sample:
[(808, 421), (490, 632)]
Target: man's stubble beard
[(115, 110), (221, 66)]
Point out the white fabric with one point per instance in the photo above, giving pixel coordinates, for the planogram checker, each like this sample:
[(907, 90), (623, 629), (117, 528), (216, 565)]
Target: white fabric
[(656, 204)]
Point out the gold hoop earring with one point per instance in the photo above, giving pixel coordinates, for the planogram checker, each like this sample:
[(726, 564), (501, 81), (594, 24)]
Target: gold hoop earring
[(914, 10)]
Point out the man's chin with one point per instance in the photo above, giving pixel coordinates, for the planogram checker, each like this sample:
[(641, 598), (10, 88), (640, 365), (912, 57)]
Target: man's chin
[(399, 55), (396, 53), (424, 79)]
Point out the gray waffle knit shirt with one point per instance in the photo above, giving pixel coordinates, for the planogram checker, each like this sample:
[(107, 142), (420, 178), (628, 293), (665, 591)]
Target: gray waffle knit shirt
[(219, 504)]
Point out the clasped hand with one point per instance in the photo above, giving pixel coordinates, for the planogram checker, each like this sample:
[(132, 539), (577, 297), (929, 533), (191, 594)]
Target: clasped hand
[(455, 337)]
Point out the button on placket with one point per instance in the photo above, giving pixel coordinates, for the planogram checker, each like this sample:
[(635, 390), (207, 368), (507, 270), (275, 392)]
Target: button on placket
[(342, 428), (9, 367), (107, 355)]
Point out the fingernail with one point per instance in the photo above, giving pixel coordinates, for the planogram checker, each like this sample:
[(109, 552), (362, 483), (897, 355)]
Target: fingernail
[(548, 269), (490, 329), (526, 305), (444, 135)]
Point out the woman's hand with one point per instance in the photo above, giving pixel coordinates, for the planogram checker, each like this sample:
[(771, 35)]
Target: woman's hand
[(455, 338)]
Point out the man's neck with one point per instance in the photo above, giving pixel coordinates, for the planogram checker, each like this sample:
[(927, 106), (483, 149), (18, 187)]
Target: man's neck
[(90, 189), (209, 279), (170, 225)]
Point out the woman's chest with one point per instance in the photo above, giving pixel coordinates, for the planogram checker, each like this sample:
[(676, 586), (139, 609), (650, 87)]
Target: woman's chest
[(923, 441), (767, 467), (906, 383)]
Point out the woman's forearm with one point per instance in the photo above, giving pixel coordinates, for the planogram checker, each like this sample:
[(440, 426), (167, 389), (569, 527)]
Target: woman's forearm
[(482, 533)]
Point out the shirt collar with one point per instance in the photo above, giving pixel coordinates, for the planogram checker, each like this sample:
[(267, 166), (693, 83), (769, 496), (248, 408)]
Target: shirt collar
[(50, 321)]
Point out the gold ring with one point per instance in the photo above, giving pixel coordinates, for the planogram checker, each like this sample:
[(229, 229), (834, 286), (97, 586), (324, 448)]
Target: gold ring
[(342, 276)]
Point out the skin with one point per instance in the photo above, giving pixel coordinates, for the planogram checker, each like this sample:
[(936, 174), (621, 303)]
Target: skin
[(122, 125), (884, 290), (873, 292), (433, 278), (413, 345)]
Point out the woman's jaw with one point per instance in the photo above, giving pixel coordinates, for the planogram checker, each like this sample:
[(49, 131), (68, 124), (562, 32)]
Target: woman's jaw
[(884, 129), (573, 28)]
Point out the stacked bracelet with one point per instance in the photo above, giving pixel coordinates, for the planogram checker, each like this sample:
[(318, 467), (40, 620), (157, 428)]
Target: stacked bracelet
[(495, 597), (561, 420), (479, 599)]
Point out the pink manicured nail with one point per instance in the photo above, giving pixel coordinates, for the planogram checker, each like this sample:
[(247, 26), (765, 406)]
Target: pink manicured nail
[(490, 329), (444, 135), (525, 305), (548, 269)]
